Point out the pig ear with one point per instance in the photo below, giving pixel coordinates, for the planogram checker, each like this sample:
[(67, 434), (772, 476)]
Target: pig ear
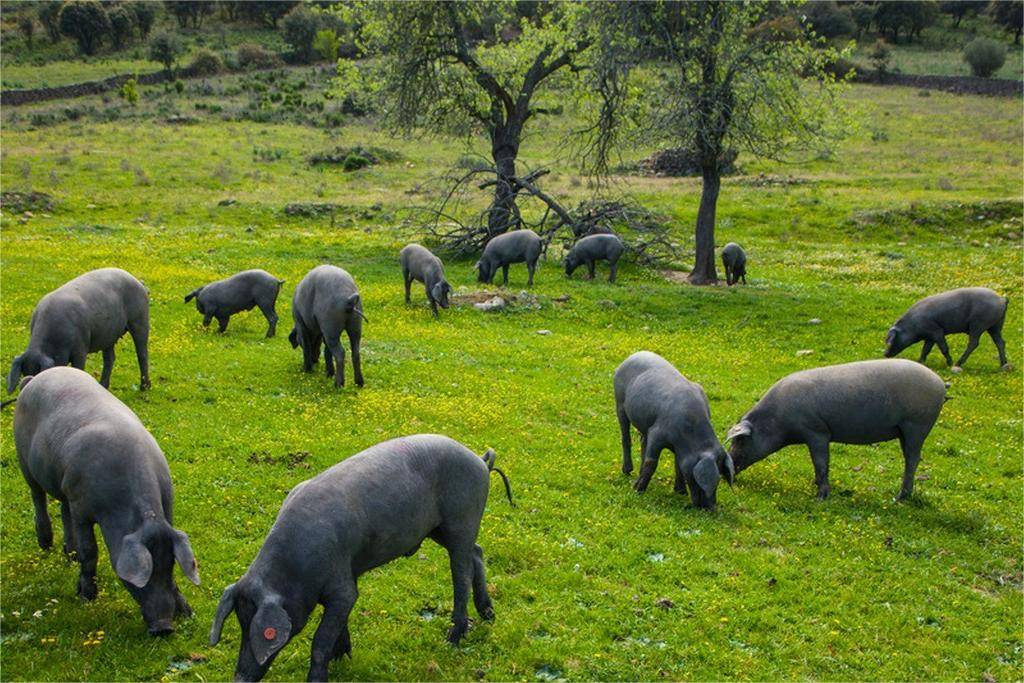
[(269, 630), (224, 608), (134, 563), (14, 375), (706, 474), (293, 337), (892, 334), (738, 430), (184, 556), (728, 469)]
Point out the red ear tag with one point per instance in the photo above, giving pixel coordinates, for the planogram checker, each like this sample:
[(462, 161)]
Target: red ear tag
[(270, 633)]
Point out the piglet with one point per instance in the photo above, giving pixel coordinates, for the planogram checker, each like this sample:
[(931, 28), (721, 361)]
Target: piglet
[(519, 246), (857, 403), (670, 412), (734, 259), (78, 443), (87, 314), (367, 510), (970, 310), (421, 265), (240, 292), (326, 303), (595, 248)]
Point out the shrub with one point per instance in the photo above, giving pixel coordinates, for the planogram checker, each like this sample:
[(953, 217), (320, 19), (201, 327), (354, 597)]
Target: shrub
[(49, 16), (179, 86), (130, 91), (145, 15), (862, 14), (206, 63), (86, 22), (165, 48), (253, 56), (299, 28), (880, 56), (327, 43), (122, 25), (354, 162), (268, 11), (829, 20), (1009, 14), (985, 56), (27, 26), (186, 11)]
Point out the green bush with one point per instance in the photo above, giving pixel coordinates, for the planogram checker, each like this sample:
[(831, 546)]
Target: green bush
[(49, 16), (206, 63), (122, 25), (299, 29), (985, 56), (145, 15), (829, 20), (327, 43), (130, 91), (880, 56), (179, 86), (165, 48), (254, 56), (86, 22)]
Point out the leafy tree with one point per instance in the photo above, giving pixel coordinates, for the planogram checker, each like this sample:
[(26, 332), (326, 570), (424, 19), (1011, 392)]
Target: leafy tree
[(189, 11), (985, 56), (145, 15), (122, 25), (908, 16), (728, 75), (430, 76), (27, 26), (86, 22), (327, 44), (299, 28), (828, 19), (863, 14), (880, 56), (269, 12), (958, 9), (130, 92), (1009, 14), (165, 48), (49, 16)]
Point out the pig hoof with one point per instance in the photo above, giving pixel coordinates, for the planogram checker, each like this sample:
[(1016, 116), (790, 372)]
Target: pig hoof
[(639, 486), (956, 369), (455, 634), (487, 613), (1006, 367), (145, 384), (87, 589)]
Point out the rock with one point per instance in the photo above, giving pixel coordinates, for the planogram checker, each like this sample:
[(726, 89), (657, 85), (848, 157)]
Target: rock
[(227, 202), (607, 303), (664, 603), (804, 352), (492, 304), (562, 299), (814, 321), (544, 332), (956, 369)]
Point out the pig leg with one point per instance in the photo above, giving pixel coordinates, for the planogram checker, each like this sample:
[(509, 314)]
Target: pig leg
[(433, 305), (819, 458), (271, 315), (481, 600), (44, 530), (69, 528), (531, 266), (504, 273), (997, 338), (972, 343), (108, 366), (460, 558), (653, 445), (77, 360), (334, 348), (408, 285), (614, 270), (591, 269), (181, 606), (744, 276), (728, 275), (140, 336), (925, 350), (940, 341), (206, 319), (627, 442), (328, 360), (222, 323), (332, 639), (911, 440), (355, 334), (87, 555)]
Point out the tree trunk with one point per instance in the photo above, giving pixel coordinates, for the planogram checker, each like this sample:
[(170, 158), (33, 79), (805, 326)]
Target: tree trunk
[(703, 272), (502, 215)]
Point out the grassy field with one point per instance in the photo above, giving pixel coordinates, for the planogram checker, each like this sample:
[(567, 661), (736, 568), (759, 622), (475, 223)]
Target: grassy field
[(590, 580)]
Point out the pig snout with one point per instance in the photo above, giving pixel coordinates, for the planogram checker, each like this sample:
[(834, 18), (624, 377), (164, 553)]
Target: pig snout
[(161, 627)]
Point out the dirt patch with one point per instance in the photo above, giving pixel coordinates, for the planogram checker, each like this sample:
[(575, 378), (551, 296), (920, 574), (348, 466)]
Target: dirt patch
[(289, 460), (680, 276)]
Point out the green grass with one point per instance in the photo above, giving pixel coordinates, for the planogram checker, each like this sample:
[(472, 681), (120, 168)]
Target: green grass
[(772, 586)]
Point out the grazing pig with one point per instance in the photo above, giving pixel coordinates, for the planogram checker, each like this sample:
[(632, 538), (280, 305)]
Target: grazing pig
[(79, 444), (512, 247), (365, 511), (240, 292), (325, 303), (734, 259), (419, 264), (88, 314), (595, 248), (857, 403), (670, 412), (971, 310)]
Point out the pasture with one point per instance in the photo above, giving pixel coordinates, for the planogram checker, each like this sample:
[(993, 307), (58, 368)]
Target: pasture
[(589, 579)]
